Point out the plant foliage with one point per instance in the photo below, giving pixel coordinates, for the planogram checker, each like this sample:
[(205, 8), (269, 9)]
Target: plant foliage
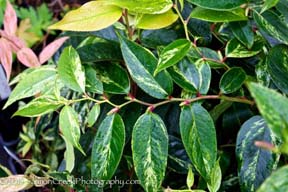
[(156, 90)]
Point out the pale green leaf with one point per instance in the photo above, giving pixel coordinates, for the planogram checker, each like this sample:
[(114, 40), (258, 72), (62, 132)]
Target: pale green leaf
[(92, 16), (32, 83), (143, 6), (218, 16), (41, 105), (69, 156), (69, 126), (70, 70), (149, 21), (93, 115)]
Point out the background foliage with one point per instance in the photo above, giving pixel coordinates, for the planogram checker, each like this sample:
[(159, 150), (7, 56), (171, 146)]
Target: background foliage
[(171, 94)]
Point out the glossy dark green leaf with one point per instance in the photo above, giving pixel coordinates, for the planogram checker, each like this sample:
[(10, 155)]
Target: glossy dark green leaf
[(276, 182), (69, 126), (268, 4), (255, 164), (70, 70), (150, 150), (205, 78), (40, 106), (35, 82), (143, 6), (114, 78), (94, 49), (140, 62), (278, 66), (93, 115), (219, 5), (273, 107), (199, 137), (243, 32), (282, 7), (232, 80), (178, 160), (235, 49), (93, 83), (218, 16), (156, 21), (272, 24), (155, 38), (108, 147), (172, 54)]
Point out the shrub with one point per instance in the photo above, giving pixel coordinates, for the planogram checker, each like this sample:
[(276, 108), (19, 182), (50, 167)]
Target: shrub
[(152, 90)]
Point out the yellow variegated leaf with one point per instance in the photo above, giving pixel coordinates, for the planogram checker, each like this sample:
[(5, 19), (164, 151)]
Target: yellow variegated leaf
[(92, 16), (149, 21)]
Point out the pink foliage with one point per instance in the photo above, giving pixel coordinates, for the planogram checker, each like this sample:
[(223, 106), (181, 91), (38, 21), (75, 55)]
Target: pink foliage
[(51, 49), (27, 57)]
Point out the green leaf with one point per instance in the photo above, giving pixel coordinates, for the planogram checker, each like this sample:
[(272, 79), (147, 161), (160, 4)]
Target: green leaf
[(278, 66), (140, 64), (232, 80), (255, 164), (215, 178), (149, 21), (218, 16), (243, 32), (69, 156), (273, 107), (199, 138), (70, 70), (276, 182), (114, 78), (93, 115), (272, 24), (15, 183), (93, 83), (108, 147), (156, 38), (95, 49), (268, 4), (143, 6), (191, 76), (282, 7), (218, 5), (235, 49), (92, 16), (172, 54), (150, 150), (35, 82), (190, 178), (41, 105), (69, 126)]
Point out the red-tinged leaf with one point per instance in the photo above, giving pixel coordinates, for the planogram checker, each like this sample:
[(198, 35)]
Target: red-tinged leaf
[(10, 19), (6, 57), (51, 49), (15, 43), (27, 57)]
